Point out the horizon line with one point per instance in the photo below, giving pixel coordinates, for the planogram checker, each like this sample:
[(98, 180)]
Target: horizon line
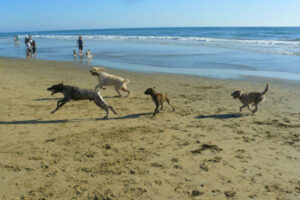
[(152, 28)]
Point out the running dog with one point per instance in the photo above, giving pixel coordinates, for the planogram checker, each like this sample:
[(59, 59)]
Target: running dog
[(75, 93), (106, 79), (250, 98), (158, 99)]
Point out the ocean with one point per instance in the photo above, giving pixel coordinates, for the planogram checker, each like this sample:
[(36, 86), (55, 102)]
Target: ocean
[(217, 52)]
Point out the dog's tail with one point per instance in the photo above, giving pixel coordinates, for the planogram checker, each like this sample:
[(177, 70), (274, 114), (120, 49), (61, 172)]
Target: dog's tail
[(266, 90), (126, 81)]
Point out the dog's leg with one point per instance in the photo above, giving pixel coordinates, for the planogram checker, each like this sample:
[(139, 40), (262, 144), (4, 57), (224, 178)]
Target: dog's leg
[(242, 107), (168, 101), (102, 105), (254, 111), (99, 101), (249, 108), (126, 90), (60, 103), (106, 110), (161, 107), (96, 87), (156, 109), (112, 109), (118, 91), (100, 85)]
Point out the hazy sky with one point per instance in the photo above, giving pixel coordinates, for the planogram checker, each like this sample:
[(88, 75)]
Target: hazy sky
[(31, 15)]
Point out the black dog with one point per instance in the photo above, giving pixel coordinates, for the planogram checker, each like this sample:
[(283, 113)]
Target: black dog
[(75, 93)]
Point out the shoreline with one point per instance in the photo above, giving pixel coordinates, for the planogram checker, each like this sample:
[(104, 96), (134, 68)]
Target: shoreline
[(204, 150), (242, 77)]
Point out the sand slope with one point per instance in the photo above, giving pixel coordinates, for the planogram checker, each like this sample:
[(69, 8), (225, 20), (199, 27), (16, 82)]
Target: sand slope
[(204, 150)]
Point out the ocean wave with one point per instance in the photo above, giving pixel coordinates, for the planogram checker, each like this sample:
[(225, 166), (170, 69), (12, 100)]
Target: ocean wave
[(171, 38)]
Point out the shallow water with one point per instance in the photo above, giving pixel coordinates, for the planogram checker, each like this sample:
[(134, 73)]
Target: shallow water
[(209, 52)]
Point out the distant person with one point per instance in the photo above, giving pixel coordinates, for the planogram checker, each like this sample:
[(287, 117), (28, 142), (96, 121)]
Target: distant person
[(16, 38), (80, 45), (28, 44), (33, 45), (28, 49), (26, 40), (17, 41)]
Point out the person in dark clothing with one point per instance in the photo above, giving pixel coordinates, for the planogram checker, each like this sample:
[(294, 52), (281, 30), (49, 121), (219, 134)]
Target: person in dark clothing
[(26, 40), (80, 44), (33, 45)]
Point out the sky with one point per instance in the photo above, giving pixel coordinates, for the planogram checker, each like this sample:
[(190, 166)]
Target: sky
[(36, 15)]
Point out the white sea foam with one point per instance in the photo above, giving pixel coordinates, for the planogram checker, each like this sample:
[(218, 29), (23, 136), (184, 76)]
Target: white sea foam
[(171, 38)]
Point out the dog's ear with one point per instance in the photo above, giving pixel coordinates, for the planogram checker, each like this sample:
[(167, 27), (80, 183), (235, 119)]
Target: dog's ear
[(62, 83), (238, 93), (100, 69)]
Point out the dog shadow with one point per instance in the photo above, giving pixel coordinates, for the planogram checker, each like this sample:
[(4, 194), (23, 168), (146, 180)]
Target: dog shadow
[(35, 121), (222, 116), (38, 121), (132, 116), (47, 99), (116, 96)]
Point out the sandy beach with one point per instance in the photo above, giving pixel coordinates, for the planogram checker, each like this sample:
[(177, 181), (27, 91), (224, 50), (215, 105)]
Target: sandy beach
[(207, 149)]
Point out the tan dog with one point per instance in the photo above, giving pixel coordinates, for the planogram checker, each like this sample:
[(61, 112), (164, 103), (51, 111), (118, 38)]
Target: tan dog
[(158, 99), (106, 79), (250, 98), (88, 53)]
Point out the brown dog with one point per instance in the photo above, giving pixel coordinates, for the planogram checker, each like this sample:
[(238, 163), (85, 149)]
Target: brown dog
[(250, 98), (158, 99)]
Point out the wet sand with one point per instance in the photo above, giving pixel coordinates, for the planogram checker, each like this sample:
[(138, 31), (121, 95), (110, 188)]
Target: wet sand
[(207, 149)]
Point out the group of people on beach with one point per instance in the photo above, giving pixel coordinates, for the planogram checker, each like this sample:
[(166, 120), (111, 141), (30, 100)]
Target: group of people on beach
[(30, 47)]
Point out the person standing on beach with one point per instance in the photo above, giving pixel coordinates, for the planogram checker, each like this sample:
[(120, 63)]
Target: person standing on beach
[(28, 47), (16, 38), (80, 44), (33, 48), (26, 40)]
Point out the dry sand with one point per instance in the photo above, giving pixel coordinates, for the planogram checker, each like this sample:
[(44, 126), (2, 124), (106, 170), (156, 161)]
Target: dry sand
[(202, 151)]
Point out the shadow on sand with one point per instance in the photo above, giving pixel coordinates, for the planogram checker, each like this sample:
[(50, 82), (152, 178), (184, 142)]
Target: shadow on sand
[(47, 99), (222, 116), (39, 121), (116, 96), (132, 116)]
